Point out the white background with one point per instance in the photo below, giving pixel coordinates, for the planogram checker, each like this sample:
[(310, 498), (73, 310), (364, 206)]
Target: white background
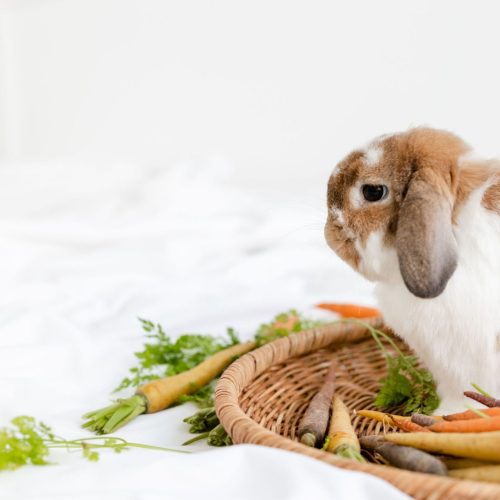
[(168, 159), (275, 87)]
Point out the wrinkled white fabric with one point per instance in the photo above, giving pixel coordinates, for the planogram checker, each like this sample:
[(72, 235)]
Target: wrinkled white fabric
[(85, 249)]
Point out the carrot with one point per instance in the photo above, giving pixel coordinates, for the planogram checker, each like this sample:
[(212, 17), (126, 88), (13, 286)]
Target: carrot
[(163, 392), (482, 398), (471, 415), (342, 439), (314, 423), (423, 420), (379, 416), (350, 310), (481, 445), (488, 473), (453, 463), (407, 425), (404, 457), (475, 425)]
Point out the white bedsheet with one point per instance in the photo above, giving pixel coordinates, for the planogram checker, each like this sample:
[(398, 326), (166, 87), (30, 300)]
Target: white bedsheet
[(87, 248)]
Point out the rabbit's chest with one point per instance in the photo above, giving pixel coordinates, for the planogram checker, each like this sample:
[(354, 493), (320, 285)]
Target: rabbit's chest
[(468, 310)]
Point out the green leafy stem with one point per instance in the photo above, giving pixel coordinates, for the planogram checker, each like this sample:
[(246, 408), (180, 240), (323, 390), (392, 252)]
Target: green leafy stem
[(406, 386), (29, 442)]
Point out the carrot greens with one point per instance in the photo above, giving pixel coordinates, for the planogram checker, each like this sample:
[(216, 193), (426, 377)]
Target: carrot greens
[(407, 387), (162, 357), (284, 324), (28, 442)]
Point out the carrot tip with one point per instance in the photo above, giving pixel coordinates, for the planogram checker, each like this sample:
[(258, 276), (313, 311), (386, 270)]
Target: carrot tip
[(309, 439)]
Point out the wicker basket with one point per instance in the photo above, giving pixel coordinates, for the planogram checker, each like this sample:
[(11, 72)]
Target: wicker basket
[(261, 397)]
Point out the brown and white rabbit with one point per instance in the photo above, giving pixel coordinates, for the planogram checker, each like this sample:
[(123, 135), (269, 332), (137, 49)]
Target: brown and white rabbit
[(419, 215)]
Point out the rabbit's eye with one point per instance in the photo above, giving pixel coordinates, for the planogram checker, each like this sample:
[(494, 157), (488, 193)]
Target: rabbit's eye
[(374, 192)]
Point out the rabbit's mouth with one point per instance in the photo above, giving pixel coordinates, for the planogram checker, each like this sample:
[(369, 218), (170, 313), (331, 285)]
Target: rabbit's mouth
[(342, 242), (369, 256), (337, 219)]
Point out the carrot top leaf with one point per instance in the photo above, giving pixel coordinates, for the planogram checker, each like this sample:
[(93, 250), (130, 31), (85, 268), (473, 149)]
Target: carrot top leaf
[(407, 387), (282, 325), (162, 357), (23, 443), (396, 388), (28, 442)]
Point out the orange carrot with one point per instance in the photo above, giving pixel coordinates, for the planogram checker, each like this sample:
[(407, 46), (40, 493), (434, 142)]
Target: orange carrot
[(407, 425), (350, 310), (471, 415), (475, 425)]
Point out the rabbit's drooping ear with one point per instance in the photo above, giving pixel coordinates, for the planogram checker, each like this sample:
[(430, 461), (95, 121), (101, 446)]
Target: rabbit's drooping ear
[(426, 246)]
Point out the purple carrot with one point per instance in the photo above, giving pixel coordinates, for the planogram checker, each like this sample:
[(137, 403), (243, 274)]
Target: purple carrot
[(481, 398), (314, 423), (404, 457), (423, 420)]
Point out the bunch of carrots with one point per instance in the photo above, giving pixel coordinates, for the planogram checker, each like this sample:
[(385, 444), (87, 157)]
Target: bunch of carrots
[(468, 443), (327, 423)]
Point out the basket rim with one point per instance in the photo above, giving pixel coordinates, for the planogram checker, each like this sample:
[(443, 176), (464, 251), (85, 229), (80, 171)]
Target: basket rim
[(243, 429)]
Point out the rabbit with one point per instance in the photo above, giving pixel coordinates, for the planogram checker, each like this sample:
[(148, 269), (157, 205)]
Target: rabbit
[(418, 214)]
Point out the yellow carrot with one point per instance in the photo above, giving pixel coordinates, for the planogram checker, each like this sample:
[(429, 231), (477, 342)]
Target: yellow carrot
[(453, 463), (481, 445), (163, 392), (488, 473), (342, 439), (379, 416)]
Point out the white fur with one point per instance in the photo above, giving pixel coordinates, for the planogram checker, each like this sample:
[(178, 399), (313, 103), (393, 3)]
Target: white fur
[(373, 155), (355, 196), (376, 259), (456, 333), (339, 219), (338, 215)]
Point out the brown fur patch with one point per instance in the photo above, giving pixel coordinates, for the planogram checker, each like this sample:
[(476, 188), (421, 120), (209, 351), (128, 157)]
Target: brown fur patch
[(473, 175), (491, 199), (340, 243)]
